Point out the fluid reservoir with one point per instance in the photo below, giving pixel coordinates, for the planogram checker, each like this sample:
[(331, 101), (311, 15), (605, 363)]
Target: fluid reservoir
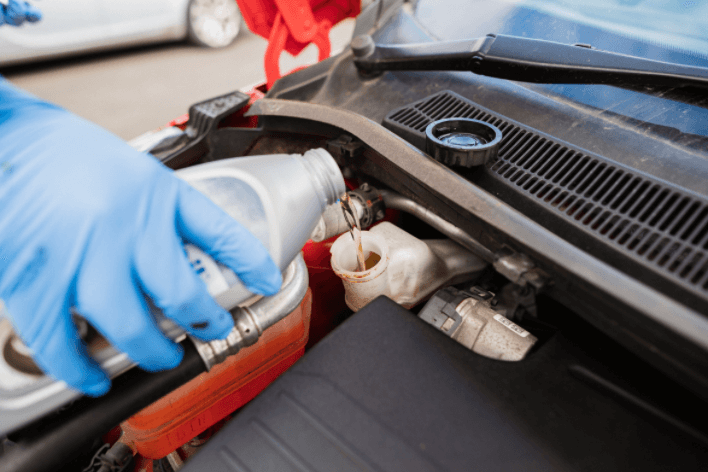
[(178, 417), (400, 266)]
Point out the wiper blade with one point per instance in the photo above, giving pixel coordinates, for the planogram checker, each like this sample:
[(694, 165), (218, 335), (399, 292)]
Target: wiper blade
[(526, 60)]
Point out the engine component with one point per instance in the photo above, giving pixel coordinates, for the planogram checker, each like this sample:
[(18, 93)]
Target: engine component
[(118, 458), (398, 202), (519, 269), (252, 321), (366, 201), (175, 461), (462, 141), (585, 275), (469, 318), (516, 301), (333, 222), (181, 415), (400, 266)]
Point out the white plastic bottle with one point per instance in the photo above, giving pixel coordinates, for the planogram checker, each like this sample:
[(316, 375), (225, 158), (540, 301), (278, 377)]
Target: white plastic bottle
[(279, 198)]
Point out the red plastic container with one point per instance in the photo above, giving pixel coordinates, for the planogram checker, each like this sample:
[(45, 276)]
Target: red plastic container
[(328, 307), (178, 417)]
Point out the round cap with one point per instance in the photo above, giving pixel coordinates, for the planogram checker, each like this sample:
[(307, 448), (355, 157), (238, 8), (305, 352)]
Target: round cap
[(462, 141)]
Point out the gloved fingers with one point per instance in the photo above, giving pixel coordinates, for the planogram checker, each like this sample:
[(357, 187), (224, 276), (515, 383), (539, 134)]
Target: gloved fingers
[(17, 12), (62, 355), (204, 224), (32, 13), (171, 283), (111, 300)]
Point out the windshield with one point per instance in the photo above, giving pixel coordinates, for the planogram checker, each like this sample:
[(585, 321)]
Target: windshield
[(664, 30)]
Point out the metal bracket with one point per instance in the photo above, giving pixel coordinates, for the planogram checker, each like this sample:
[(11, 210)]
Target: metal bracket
[(520, 269)]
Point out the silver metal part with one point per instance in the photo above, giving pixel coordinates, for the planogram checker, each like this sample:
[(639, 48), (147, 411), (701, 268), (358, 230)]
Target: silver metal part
[(520, 269), (514, 267), (470, 319), (398, 202), (251, 321), (174, 460)]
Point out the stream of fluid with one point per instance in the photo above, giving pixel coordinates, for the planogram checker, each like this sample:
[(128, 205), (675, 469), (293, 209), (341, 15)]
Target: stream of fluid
[(355, 230)]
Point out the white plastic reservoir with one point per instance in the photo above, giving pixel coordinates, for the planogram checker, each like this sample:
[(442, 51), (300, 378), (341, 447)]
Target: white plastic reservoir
[(409, 269)]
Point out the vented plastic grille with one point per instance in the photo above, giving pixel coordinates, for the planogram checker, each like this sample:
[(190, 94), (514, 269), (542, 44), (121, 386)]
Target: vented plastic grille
[(661, 225)]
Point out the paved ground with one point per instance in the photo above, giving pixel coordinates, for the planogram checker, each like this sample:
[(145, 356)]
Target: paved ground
[(132, 91)]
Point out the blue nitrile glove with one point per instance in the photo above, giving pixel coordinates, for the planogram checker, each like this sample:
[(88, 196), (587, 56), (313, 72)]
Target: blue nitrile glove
[(88, 222), (17, 12)]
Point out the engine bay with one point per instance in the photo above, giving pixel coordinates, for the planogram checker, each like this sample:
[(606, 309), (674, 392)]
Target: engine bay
[(488, 305), (506, 316)]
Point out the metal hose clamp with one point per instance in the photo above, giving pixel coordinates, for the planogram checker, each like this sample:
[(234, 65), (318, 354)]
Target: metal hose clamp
[(250, 322)]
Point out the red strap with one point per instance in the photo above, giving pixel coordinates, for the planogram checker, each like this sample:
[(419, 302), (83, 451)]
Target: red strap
[(279, 34), (295, 24)]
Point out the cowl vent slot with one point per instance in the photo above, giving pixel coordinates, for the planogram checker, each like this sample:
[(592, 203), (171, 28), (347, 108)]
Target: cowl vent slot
[(652, 223)]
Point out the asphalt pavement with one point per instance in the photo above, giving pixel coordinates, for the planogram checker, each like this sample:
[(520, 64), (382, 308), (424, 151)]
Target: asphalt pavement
[(135, 90)]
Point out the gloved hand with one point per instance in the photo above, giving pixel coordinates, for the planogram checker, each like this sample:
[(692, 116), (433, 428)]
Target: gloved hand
[(88, 222), (16, 12)]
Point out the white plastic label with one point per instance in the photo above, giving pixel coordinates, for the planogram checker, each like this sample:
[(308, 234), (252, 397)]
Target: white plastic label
[(511, 325)]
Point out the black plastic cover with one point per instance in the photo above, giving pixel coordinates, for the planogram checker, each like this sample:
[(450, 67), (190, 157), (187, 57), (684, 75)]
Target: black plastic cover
[(387, 392), (652, 230), (204, 117)]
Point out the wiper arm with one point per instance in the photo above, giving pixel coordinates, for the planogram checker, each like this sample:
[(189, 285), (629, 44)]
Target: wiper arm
[(525, 60)]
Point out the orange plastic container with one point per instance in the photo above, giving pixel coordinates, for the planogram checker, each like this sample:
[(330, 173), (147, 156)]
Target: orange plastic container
[(176, 418)]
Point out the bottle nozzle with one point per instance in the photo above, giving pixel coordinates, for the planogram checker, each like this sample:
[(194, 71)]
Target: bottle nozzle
[(326, 176)]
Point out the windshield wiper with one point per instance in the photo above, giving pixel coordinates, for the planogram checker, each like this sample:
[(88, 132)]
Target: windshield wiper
[(525, 60)]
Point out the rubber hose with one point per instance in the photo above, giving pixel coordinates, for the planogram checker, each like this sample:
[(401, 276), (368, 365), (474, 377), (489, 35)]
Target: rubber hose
[(50, 442)]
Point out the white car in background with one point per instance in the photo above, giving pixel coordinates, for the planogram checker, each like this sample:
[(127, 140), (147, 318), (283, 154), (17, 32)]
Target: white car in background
[(74, 26)]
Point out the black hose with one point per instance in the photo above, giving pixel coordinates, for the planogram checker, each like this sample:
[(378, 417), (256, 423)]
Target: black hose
[(50, 442)]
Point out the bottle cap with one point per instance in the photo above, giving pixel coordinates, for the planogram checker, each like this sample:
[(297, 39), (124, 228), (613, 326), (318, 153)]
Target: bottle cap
[(462, 141)]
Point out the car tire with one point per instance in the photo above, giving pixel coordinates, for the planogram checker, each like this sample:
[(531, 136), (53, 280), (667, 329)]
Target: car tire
[(213, 23)]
